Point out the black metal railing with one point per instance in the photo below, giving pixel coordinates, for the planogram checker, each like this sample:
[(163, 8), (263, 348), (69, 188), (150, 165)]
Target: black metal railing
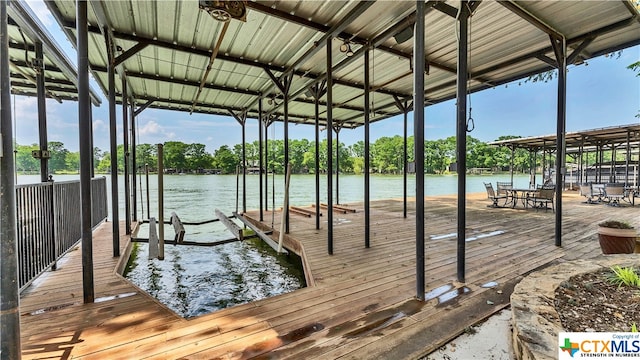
[(48, 223)]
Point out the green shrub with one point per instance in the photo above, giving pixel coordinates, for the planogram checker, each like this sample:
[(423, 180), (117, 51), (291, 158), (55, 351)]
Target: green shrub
[(624, 276)]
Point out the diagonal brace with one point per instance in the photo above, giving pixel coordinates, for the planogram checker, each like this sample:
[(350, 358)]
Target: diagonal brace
[(130, 52)]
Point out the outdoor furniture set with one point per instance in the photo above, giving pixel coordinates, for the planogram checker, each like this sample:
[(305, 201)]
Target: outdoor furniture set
[(541, 197), (610, 193)]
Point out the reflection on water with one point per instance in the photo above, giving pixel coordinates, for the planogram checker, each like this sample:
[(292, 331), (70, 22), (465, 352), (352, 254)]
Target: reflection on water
[(194, 280)]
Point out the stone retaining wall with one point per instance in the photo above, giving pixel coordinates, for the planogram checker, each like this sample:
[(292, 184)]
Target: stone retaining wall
[(536, 323)]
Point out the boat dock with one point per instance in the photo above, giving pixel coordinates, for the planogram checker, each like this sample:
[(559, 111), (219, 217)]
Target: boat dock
[(360, 302)]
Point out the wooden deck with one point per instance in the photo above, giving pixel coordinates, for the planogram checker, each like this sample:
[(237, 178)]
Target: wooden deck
[(362, 304)]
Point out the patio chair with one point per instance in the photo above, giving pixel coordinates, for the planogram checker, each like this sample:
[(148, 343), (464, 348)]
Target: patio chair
[(586, 190), (614, 192), (502, 187), (495, 197), (542, 198)]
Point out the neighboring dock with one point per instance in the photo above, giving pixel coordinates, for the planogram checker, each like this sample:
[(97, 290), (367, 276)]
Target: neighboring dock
[(362, 304)]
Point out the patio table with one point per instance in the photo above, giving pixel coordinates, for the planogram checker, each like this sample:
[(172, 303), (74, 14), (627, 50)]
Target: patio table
[(520, 194)]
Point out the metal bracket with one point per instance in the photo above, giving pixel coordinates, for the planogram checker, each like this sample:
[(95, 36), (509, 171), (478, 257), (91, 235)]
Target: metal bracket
[(38, 64), (41, 154)]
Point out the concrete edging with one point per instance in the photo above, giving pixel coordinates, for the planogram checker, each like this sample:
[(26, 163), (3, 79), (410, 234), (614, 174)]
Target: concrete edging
[(536, 323)]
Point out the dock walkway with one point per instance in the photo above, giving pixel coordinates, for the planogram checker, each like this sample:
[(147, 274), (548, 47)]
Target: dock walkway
[(361, 305)]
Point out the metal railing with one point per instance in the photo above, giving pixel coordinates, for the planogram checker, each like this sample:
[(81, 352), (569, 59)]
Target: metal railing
[(48, 223)]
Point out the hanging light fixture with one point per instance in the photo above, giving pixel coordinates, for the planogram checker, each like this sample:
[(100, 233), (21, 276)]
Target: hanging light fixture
[(345, 48)]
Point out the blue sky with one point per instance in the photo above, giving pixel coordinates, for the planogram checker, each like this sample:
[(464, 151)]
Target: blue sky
[(604, 93)]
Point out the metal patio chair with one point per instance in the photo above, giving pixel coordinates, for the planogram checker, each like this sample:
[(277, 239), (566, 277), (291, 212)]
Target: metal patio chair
[(541, 198), (614, 192), (503, 187), (495, 197), (586, 190)]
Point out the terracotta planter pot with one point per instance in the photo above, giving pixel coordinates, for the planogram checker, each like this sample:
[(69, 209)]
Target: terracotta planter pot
[(617, 241)]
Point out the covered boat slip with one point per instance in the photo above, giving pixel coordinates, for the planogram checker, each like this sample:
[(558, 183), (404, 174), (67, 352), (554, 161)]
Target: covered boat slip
[(361, 305), (336, 64)]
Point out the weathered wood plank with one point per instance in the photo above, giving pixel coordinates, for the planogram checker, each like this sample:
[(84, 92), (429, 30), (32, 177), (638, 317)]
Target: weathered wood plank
[(231, 226), (178, 228), (355, 289), (260, 234), (301, 211), (153, 239)]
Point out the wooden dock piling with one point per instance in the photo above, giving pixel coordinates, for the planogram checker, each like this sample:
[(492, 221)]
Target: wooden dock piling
[(178, 228), (153, 239)]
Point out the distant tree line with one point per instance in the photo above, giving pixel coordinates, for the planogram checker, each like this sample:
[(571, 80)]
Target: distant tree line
[(386, 157)]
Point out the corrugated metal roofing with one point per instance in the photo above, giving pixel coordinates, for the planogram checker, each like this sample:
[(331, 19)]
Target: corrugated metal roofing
[(608, 136), (504, 46), (24, 31)]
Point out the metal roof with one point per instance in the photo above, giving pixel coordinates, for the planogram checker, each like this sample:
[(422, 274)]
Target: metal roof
[(165, 47), (60, 74), (612, 136)]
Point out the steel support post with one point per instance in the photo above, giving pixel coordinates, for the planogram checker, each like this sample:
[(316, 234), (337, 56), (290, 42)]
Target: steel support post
[(544, 160), (513, 153), (113, 142), (316, 104), (266, 172), (146, 178), (367, 140), (329, 149), (530, 154), (612, 168), (627, 160), (125, 131), (405, 156), (535, 165), (42, 112), (586, 167), (600, 156), (134, 164), (9, 290), (260, 162), (42, 132), (337, 165), (84, 116), (561, 55), (92, 163), (461, 134), (418, 135), (580, 168), (286, 151), (160, 152), (637, 177), (244, 162)]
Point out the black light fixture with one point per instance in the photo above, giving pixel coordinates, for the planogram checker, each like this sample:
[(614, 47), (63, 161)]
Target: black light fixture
[(346, 48), (404, 35)]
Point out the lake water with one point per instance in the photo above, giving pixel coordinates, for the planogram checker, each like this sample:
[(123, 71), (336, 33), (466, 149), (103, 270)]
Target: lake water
[(194, 280), (195, 197)]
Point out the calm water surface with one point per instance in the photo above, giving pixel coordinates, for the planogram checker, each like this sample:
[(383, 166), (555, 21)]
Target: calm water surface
[(194, 280)]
